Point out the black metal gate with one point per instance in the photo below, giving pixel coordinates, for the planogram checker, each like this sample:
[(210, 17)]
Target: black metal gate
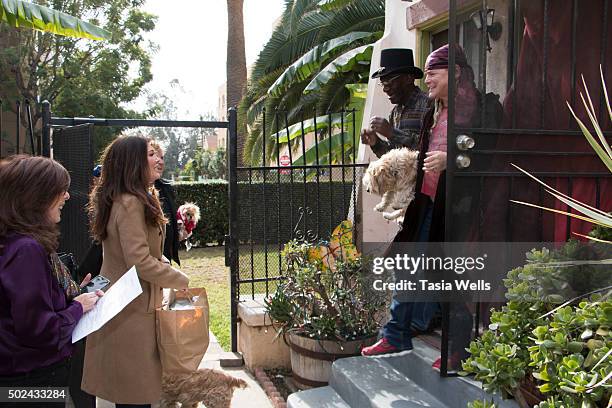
[(542, 58), (302, 189), (73, 148)]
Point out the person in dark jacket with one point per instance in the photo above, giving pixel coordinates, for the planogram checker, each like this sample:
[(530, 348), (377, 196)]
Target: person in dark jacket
[(396, 76), (424, 219), (91, 264), (167, 196)]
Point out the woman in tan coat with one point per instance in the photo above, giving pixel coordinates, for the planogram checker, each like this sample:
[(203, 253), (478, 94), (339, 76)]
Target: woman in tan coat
[(122, 363)]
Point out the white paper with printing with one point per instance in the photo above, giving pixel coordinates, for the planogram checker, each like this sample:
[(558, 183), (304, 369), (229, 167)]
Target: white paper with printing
[(126, 289)]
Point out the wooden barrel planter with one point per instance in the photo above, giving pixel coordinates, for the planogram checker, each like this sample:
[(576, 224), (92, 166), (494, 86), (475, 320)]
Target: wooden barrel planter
[(311, 359), (528, 394)]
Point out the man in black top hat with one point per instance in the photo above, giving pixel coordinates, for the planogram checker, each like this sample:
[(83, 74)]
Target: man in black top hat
[(397, 74)]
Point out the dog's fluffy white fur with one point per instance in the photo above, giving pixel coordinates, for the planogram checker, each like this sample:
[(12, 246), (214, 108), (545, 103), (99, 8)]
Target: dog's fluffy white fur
[(393, 177), (188, 219)]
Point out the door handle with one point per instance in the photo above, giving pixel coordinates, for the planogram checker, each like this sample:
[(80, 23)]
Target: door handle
[(465, 142), (463, 161)]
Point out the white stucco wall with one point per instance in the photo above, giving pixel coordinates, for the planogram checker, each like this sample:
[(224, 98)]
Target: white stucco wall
[(497, 60), (375, 227)]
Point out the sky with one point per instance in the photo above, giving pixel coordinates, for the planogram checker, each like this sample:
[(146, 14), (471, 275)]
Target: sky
[(192, 40)]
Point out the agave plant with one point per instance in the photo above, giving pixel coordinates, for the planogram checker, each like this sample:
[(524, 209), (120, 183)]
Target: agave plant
[(603, 150), (18, 13)]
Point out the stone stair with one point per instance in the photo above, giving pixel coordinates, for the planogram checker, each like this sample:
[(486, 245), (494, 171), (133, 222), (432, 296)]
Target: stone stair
[(392, 382)]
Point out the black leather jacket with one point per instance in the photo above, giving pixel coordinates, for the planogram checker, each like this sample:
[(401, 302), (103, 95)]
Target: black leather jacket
[(167, 197)]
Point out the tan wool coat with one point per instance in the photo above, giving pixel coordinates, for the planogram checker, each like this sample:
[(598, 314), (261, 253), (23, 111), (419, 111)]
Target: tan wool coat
[(122, 364)]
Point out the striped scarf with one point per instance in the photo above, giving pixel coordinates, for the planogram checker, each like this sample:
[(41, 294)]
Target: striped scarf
[(63, 277)]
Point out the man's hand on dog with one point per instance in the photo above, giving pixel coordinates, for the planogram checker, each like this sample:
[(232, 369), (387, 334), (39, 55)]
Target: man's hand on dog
[(434, 162)]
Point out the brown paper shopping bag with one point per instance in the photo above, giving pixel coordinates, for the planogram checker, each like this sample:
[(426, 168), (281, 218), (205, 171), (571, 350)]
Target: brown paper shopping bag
[(182, 334)]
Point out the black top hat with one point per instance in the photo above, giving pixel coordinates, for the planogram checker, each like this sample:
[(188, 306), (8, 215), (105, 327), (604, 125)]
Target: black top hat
[(397, 61)]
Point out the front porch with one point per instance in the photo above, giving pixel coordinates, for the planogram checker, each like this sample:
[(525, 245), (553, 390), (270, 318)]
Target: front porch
[(398, 382)]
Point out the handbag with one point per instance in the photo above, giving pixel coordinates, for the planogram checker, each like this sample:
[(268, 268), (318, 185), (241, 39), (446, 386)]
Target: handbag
[(182, 331)]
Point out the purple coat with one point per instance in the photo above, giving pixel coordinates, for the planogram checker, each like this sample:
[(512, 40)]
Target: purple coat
[(36, 320)]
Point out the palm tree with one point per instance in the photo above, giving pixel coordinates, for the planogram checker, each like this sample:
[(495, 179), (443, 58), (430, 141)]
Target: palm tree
[(236, 61), (317, 48)]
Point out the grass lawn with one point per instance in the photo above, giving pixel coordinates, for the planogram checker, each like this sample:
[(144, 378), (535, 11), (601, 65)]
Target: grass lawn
[(206, 268)]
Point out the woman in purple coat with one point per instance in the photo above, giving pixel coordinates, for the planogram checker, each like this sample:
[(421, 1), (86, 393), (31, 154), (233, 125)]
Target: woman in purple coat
[(40, 304)]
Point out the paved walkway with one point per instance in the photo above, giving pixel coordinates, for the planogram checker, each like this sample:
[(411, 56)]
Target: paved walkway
[(251, 397)]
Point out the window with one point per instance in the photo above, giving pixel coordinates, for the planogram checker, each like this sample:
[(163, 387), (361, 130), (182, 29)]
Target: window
[(469, 39)]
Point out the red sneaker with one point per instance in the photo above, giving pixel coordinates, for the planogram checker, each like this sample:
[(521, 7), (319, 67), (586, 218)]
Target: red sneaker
[(454, 363), (382, 348)]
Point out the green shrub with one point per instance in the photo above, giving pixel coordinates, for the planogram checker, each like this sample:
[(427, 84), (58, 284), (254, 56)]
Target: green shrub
[(323, 298), (563, 351), (261, 211)]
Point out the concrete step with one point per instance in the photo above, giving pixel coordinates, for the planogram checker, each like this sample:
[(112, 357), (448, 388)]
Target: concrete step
[(371, 382), (324, 397), (453, 392), (406, 381)]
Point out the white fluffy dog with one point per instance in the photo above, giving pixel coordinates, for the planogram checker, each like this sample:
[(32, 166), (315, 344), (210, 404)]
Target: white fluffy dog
[(187, 218), (393, 177)]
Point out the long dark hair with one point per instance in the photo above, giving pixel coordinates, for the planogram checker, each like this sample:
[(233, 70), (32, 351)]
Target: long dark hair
[(29, 186), (125, 170)]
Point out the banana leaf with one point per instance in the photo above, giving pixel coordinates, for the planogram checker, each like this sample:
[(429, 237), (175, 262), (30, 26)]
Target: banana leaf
[(344, 63), (18, 13), (324, 148), (295, 130), (359, 93), (310, 62)]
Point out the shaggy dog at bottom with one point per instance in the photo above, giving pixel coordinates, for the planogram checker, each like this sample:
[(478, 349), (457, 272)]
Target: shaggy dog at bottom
[(393, 177), (213, 388)]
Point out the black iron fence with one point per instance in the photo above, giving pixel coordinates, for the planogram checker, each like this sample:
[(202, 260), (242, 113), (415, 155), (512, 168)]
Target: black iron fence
[(71, 142), (73, 147), (302, 187)]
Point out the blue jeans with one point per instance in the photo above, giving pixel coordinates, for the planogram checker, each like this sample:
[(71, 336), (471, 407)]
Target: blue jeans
[(397, 331)]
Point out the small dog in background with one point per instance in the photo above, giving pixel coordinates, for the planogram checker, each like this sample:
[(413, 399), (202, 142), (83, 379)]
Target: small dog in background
[(213, 388), (393, 177), (187, 218)]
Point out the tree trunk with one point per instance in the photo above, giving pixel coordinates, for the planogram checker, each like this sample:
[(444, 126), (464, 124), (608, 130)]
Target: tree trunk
[(236, 60), (236, 63)]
